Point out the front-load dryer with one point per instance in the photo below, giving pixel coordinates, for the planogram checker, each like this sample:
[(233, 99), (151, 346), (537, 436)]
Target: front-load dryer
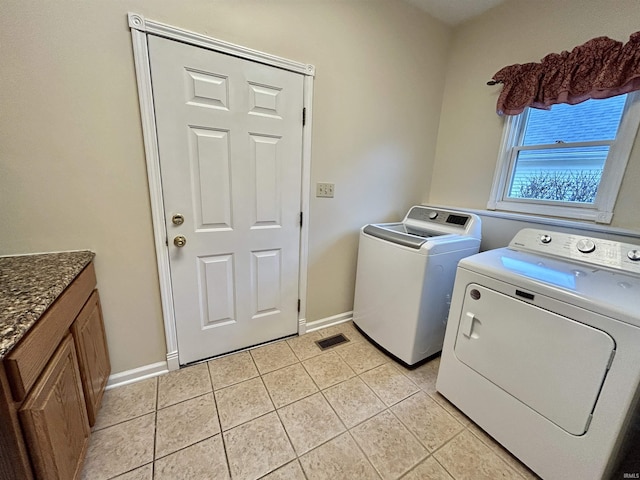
[(405, 277), (542, 349)]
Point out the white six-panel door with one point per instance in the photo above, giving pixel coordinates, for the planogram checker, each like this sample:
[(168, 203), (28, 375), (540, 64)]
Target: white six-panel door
[(230, 146)]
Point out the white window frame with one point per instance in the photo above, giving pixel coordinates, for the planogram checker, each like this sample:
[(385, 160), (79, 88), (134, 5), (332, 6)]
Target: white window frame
[(601, 211)]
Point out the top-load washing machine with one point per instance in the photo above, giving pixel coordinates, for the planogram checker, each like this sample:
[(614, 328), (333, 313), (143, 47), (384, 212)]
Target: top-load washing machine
[(542, 349), (405, 276)]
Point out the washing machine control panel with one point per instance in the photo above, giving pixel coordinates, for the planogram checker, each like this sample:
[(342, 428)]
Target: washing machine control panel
[(431, 215), (440, 221), (595, 251)]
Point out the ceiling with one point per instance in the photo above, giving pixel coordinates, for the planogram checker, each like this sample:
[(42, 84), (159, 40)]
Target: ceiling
[(454, 12)]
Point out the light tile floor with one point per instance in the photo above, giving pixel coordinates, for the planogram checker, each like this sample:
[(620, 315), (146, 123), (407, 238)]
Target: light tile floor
[(291, 411)]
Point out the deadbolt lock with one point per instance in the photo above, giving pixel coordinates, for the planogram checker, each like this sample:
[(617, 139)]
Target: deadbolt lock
[(180, 241), (178, 219)]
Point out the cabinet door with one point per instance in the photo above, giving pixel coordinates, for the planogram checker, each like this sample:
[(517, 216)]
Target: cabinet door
[(54, 418), (93, 356)]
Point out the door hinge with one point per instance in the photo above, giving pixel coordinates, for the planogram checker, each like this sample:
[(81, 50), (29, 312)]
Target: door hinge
[(298, 305), (304, 116), (300, 219)]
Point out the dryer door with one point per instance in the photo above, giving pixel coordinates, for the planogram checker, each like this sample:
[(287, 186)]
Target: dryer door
[(551, 363)]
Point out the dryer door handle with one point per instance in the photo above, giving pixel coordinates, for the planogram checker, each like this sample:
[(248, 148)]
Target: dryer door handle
[(467, 323)]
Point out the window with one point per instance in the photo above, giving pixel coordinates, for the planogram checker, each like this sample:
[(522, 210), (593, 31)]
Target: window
[(568, 161)]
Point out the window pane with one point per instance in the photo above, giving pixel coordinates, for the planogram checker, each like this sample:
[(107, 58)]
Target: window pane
[(587, 121), (561, 174)]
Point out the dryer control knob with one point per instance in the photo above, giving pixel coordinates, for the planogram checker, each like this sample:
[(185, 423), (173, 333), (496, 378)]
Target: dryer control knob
[(545, 238), (585, 245), (633, 255), (433, 215)]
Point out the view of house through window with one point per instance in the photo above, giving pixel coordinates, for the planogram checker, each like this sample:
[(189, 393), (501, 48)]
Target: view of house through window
[(562, 152)]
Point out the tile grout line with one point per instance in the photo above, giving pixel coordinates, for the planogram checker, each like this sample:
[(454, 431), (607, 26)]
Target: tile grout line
[(373, 391), (302, 469), (433, 454), (364, 453), (443, 467), (155, 429), (268, 392), (275, 410), (187, 446), (290, 443), (122, 421), (222, 436), (301, 398), (198, 441), (430, 455), (444, 407), (378, 395), (210, 362), (296, 354), (133, 470), (184, 401), (215, 403), (309, 373), (368, 388), (346, 429), (509, 467), (281, 342), (413, 435), (491, 448)]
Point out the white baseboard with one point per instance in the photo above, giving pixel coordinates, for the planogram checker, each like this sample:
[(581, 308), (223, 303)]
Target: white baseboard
[(302, 326), (172, 361), (328, 321), (137, 374), (160, 368)]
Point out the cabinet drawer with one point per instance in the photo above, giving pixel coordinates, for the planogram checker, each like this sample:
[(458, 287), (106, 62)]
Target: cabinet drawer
[(25, 363)]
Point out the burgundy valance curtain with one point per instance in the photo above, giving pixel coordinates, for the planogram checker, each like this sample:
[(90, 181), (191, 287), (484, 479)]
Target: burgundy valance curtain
[(599, 68)]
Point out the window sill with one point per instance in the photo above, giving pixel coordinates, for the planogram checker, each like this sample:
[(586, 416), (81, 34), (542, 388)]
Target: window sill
[(567, 212)]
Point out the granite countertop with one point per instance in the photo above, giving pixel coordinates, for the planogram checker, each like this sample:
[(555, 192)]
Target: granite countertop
[(29, 284)]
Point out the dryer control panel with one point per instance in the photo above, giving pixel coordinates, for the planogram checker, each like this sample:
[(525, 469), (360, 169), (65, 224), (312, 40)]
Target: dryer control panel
[(595, 251)]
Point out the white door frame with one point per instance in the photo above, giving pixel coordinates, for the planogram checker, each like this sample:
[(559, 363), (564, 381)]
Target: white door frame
[(140, 28)]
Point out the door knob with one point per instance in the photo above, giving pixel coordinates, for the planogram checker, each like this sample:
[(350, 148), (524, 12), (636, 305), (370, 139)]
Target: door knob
[(180, 241)]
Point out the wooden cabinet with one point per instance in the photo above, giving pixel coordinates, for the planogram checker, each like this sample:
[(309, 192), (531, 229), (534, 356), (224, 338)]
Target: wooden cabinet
[(51, 386), (54, 417), (93, 358), (28, 359)]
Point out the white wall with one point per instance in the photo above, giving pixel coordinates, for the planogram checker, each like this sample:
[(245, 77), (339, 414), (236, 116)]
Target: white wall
[(517, 31), (72, 168)]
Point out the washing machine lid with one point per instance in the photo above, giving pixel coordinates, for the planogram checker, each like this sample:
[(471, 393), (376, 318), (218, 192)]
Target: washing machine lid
[(601, 290), (422, 224), (397, 233)]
